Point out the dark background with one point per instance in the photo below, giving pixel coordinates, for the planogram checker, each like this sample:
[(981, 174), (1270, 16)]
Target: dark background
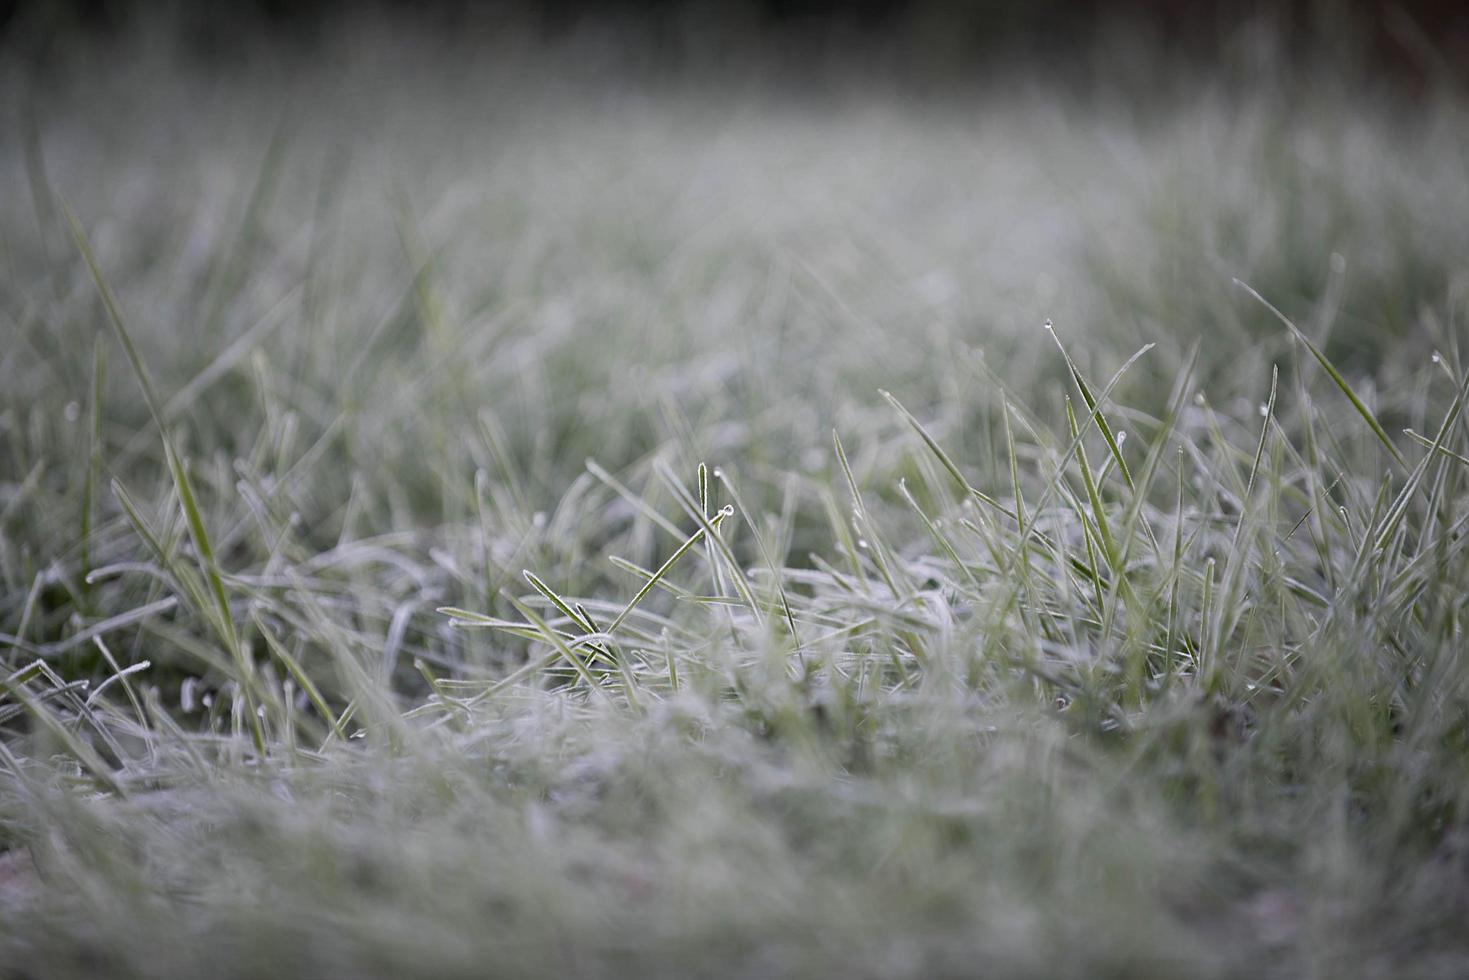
[(1410, 41)]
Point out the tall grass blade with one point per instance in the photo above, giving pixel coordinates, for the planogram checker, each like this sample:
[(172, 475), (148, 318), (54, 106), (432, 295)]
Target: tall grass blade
[(1336, 376)]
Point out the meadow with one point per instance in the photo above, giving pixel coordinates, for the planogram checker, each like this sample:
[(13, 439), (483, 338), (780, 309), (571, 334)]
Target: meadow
[(515, 513)]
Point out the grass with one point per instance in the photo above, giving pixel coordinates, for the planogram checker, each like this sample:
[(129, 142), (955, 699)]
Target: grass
[(459, 573)]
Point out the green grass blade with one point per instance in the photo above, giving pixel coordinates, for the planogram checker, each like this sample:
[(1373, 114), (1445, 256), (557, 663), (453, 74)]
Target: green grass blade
[(664, 569), (1092, 404), (1336, 376), (313, 693), (943, 457), (182, 485)]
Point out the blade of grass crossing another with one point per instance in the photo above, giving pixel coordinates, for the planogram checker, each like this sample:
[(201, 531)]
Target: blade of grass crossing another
[(693, 539), (943, 457), (1092, 405), (312, 692), (1094, 497), (1336, 376), (1399, 508), (179, 472)]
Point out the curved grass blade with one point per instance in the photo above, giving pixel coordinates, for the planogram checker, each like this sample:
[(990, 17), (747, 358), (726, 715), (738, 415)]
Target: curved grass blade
[(1092, 405), (1336, 375), (182, 484)]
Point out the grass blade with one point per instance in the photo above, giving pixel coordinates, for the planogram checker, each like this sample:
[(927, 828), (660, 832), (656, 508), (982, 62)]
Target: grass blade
[(1335, 375)]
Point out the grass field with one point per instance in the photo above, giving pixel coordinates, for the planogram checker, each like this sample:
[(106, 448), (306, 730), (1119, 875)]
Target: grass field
[(521, 516)]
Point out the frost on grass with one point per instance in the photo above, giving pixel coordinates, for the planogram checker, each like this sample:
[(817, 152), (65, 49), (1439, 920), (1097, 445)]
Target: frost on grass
[(402, 630)]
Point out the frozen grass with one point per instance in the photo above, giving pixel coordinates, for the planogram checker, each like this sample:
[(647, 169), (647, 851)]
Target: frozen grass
[(1130, 647)]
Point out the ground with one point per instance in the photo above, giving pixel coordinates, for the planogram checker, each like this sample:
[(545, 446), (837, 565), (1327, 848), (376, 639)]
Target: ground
[(1008, 530)]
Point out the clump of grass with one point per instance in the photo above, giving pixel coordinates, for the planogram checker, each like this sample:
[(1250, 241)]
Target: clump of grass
[(413, 635)]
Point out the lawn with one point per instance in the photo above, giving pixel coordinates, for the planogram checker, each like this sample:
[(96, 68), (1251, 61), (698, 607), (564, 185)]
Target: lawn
[(518, 513)]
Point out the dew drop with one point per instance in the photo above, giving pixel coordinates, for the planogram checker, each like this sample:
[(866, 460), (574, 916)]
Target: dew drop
[(1199, 398), (1264, 410), (862, 542), (72, 412), (1437, 359), (1048, 325)]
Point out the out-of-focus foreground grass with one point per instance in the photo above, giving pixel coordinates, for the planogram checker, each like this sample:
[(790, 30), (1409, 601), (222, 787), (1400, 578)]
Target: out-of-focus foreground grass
[(1042, 667)]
